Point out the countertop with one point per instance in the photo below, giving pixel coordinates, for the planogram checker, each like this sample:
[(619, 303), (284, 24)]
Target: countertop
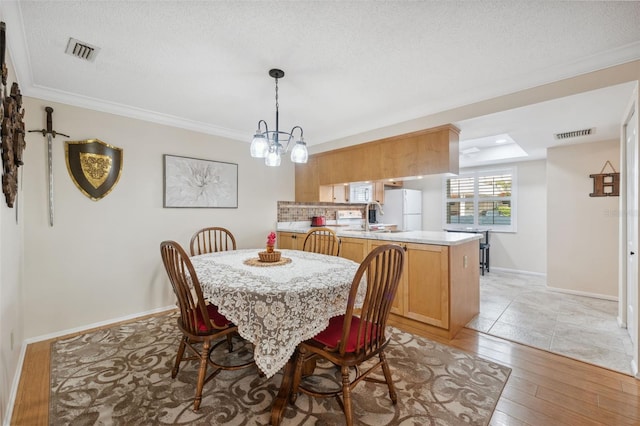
[(441, 238)]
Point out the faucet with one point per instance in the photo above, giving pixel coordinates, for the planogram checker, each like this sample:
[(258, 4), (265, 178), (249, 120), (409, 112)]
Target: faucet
[(366, 212)]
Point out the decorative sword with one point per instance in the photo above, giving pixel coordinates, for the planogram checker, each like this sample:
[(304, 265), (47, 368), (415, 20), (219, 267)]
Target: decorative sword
[(49, 133)]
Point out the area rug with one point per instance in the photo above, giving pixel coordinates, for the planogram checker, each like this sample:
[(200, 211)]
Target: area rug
[(122, 376)]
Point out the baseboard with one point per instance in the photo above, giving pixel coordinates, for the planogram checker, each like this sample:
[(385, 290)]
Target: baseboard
[(518, 271), (97, 325), (23, 350), (582, 293), (555, 289)]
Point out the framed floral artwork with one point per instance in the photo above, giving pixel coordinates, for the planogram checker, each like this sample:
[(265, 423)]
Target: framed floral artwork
[(193, 183)]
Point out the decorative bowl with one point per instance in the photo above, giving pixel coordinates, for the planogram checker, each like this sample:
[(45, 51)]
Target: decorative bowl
[(269, 257)]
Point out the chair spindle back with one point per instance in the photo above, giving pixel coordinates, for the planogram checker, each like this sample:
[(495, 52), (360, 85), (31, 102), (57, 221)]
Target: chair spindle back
[(382, 269), (323, 241), (194, 317), (211, 240)]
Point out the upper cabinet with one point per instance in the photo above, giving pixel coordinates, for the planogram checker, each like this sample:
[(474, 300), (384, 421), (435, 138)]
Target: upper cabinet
[(356, 192), (378, 192), (334, 193), (307, 186), (420, 153)]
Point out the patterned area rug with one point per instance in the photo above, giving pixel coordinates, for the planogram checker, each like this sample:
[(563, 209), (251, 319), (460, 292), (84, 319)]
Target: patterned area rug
[(122, 375)]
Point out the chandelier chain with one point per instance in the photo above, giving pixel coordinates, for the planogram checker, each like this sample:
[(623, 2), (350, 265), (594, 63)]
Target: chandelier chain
[(277, 105)]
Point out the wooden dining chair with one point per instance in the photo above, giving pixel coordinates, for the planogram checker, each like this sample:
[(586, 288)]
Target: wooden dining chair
[(211, 240), (323, 241), (200, 322), (349, 340)]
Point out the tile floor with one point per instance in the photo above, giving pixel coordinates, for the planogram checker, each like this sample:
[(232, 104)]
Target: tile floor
[(519, 308)]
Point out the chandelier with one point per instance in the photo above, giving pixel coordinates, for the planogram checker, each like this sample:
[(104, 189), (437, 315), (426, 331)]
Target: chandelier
[(270, 145)]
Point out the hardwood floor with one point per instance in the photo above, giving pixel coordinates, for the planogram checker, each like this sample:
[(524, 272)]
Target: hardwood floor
[(543, 388), (549, 389), (32, 398)]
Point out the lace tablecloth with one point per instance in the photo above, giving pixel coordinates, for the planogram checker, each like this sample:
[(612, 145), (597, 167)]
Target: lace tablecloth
[(276, 307)]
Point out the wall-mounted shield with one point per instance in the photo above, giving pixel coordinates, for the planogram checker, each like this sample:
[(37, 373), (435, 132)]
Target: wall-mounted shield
[(94, 166)]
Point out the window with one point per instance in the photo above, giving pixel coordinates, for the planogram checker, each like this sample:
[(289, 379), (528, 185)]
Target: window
[(484, 198)]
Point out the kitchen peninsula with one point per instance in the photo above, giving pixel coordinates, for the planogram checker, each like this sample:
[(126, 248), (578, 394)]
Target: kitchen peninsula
[(440, 288)]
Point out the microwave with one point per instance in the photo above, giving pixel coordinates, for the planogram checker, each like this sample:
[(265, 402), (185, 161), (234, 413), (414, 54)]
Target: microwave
[(360, 192)]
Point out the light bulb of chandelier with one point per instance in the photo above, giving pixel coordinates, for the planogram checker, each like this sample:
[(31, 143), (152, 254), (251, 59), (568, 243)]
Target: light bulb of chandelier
[(273, 158), (259, 145), (299, 153)]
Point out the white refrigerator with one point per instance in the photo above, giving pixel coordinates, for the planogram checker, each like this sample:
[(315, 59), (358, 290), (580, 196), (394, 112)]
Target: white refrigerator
[(403, 207)]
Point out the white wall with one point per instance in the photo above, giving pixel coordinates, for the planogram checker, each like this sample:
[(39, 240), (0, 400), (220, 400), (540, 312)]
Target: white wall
[(11, 305), (523, 250), (582, 232), (101, 259)]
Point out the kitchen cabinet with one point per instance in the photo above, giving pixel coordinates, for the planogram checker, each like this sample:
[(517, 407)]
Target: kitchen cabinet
[(398, 301), (426, 297), (340, 193), (394, 183), (290, 240), (355, 249), (439, 291), (378, 191), (326, 193), (307, 180), (334, 193), (424, 152)]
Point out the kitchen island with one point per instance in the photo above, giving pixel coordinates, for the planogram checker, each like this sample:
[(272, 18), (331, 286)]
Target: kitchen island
[(440, 288)]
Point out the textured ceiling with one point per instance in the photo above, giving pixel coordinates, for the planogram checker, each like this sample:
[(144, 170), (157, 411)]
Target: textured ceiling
[(351, 66)]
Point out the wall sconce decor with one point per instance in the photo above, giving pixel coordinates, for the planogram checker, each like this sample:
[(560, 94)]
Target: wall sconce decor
[(94, 166), (606, 184), (12, 119)]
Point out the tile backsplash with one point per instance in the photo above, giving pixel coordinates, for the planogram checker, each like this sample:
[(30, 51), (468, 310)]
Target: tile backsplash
[(290, 211)]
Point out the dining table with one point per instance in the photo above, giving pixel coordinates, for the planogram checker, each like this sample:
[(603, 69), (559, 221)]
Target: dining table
[(277, 305)]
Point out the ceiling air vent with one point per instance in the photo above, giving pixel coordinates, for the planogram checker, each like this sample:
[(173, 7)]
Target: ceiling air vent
[(575, 133), (82, 50)]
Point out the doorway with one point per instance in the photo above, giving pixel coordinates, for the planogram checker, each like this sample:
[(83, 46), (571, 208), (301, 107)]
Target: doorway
[(631, 141), (628, 300)]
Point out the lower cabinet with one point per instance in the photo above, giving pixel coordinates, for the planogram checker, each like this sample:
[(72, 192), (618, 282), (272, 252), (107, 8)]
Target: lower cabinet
[(426, 297), (355, 249), (290, 240), (442, 289), (439, 291), (398, 301)]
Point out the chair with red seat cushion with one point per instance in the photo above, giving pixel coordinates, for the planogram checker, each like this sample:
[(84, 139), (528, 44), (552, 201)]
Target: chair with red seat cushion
[(211, 240), (349, 340), (200, 323)]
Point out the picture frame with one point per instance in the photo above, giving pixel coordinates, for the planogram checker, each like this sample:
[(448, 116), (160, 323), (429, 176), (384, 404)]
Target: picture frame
[(199, 183)]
